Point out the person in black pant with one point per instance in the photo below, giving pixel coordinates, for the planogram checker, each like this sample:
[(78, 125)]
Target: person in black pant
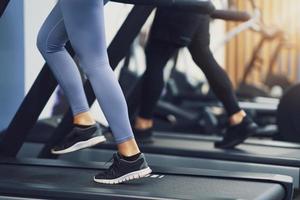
[(171, 30)]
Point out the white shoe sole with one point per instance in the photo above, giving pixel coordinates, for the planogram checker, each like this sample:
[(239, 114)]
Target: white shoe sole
[(81, 145), (133, 175)]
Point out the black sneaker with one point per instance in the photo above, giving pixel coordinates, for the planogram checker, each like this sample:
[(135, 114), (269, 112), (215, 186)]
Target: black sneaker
[(143, 136), (122, 170), (237, 134), (80, 138)]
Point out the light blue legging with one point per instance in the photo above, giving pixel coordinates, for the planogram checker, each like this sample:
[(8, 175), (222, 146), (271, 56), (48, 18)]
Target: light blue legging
[(82, 22)]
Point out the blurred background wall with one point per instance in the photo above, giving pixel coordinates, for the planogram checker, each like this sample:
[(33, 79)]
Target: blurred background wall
[(11, 61), (281, 14)]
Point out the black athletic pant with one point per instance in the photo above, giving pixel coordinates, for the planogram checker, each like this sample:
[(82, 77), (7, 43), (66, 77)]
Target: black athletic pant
[(161, 48)]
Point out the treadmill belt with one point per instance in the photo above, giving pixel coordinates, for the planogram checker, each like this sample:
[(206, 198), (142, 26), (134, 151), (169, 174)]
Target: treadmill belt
[(205, 145), (204, 148), (73, 183), (185, 144)]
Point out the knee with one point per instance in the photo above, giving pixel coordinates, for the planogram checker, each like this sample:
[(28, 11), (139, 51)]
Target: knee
[(46, 44), (41, 43), (91, 63)]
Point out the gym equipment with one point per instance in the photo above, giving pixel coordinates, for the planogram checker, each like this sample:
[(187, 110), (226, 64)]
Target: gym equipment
[(186, 150), (288, 115), (196, 112), (203, 6), (42, 130), (69, 180), (264, 110), (249, 91), (229, 15), (3, 5), (278, 80), (272, 84), (194, 151)]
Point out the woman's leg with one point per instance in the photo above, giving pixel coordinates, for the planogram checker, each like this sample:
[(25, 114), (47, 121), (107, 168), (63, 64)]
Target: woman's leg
[(171, 30), (217, 78), (51, 43), (84, 22), (85, 27), (158, 53), (241, 126)]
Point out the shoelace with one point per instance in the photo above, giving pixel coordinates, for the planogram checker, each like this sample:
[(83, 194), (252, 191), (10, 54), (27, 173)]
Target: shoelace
[(108, 161)]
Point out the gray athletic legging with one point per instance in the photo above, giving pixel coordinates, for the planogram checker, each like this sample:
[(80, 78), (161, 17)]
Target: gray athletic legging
[(82, 22)]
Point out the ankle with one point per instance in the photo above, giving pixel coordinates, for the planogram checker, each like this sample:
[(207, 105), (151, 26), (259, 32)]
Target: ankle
[(237, 118), (84, 119), (129, 153), (130, 158), (84, 126), (128, 148), (143, 123)]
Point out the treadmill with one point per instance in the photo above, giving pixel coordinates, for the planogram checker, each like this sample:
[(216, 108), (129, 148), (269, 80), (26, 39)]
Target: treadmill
[(186, 150), (195, 151), (57, 179), (182, 150), (52, 179)]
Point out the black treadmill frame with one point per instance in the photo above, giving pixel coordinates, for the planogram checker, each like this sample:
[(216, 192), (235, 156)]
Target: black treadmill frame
[(3, 5)]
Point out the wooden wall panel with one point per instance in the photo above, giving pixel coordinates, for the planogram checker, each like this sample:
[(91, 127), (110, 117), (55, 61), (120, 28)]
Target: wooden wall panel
[(282, 13)]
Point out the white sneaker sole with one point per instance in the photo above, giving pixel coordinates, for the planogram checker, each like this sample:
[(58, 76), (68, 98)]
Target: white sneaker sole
[(133, 175), (81, 145)]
